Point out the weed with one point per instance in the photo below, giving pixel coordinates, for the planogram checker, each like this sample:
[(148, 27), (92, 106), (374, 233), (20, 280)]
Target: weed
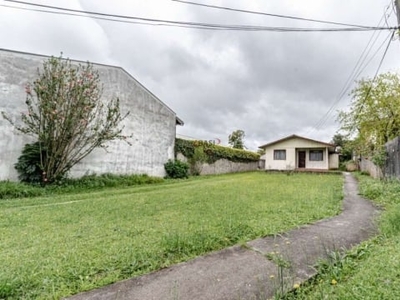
[(282, 266)]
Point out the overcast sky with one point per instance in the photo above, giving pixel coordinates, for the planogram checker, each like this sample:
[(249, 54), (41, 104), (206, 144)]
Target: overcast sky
[(269, 84)]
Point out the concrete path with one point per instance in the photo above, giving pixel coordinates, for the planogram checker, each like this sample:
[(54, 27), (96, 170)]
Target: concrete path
[(244, 272)]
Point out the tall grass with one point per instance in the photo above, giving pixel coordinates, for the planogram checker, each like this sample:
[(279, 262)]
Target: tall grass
[(12, 190)]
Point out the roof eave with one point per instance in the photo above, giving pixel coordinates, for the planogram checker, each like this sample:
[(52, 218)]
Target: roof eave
[(179, 121), (295, 136)]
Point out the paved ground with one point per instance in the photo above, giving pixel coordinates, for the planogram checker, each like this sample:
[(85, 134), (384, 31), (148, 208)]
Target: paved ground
[(244, 272)]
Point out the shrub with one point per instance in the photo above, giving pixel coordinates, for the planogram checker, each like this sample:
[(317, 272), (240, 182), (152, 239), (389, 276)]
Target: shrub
[(176, 169), (108, 180), (28, 166)]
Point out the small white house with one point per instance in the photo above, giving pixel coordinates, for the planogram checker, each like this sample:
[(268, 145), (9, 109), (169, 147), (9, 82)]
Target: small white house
[(296, 152)]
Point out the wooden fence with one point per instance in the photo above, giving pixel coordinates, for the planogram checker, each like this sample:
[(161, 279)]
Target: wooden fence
[(392, 165)]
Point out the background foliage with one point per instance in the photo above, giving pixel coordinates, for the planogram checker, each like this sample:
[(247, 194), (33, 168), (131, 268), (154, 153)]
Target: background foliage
[(374, 115), (236, 139), (213, 152)]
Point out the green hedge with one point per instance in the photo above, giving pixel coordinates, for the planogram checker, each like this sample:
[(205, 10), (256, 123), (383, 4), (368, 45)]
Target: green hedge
[(214, 152)]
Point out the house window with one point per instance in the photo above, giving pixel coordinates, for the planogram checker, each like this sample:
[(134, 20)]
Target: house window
[(279, 154), (316, 155)]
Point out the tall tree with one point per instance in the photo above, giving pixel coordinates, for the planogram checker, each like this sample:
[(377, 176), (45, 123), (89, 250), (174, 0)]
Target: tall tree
[(339, 140), (236, 139), (346, 146), (374, 115), (67, 117), (261, 152)]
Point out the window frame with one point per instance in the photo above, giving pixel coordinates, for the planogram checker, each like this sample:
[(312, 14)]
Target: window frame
[(313, 153), (279, 154)]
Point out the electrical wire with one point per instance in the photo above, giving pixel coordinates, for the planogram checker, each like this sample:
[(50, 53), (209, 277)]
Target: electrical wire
[(94, 17), (327, 116), (357, 70), (375, 53), (269, 14), (195, 25), (377, 72), (208, 26)]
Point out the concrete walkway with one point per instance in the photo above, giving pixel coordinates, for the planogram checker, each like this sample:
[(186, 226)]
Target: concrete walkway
[(244, 272)]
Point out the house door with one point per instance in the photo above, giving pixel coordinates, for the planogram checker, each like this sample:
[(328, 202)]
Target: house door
[(302, 159)]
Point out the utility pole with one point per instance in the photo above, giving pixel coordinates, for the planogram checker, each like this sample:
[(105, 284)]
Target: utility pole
[(397, 4)]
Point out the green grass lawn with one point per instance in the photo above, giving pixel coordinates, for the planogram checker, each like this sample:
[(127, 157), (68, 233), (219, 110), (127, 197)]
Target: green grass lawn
[(371, 270), (58, 246)]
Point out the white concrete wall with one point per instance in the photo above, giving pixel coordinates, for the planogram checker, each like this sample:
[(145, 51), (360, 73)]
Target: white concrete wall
[(292, 147), (223, 166), (334, 161), (324, 164), (366, 165), (151, 122), (288, 164)]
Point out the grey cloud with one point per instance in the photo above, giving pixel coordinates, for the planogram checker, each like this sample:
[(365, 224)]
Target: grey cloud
[(268, 84)]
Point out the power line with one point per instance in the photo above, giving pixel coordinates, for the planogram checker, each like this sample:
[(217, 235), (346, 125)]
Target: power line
[(326, 116), (357, 70), (376, 75), (375, 53), (94, 17), (195, 25), (377, 71), (270, 15)]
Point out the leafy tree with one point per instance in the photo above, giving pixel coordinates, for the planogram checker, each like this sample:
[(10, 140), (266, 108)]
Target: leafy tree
[(67, 117), (339, 140), (236, 139), (261, 152), (374, 116), (346, 146)]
